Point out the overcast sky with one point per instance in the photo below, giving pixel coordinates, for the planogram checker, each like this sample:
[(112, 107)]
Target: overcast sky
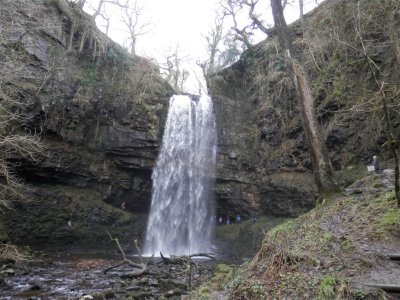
[(184, 22)]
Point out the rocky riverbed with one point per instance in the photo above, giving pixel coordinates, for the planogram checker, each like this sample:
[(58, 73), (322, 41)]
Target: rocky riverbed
[(81, 276), (76, 272)]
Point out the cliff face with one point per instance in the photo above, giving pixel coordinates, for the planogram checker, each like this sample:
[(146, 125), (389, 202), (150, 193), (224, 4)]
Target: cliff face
[(258, 172), (264, 162), (100, 114)]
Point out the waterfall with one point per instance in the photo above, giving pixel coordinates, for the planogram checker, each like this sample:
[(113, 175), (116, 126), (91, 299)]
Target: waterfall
[(181, 205)]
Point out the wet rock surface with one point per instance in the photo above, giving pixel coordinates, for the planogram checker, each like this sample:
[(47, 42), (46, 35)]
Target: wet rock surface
[(99, 112)]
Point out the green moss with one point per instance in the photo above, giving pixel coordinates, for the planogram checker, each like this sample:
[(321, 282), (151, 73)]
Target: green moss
[(350, 174), (326, 289), (257, 289), (85, 199), (358, 295), (223, 268), (347, 244), (203, 293), (386, 215), (281, 230), (89, 75), (391, 221), (242, 289), (386, 198), (221, 276), (119, 56)]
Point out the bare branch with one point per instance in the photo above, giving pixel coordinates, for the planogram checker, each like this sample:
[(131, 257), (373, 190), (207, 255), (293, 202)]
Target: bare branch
[(256, 21), (172, 71), (142, 267), (232, 8), (214, 37), (131, 16)]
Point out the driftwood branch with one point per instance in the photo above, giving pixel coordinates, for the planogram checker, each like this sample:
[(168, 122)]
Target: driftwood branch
[(179, 260), (142, 268), (385, 287), (184, 260), (393, 256)]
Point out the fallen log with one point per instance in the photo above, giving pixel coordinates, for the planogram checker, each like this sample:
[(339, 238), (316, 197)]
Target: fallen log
[(142, 268), (394, 256), (179, 260), (385, 287)]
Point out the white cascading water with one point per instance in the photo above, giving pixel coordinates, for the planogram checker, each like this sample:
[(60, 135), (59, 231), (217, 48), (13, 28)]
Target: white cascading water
[(182, 204)]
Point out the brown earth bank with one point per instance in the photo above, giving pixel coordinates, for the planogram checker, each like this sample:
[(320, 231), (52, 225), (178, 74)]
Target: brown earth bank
[(346, 248)]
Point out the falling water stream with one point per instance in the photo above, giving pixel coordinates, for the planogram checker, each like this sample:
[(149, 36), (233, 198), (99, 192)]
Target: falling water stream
[(181, 205)]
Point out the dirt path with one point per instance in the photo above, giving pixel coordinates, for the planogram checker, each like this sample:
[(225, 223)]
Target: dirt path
[(381, 270)]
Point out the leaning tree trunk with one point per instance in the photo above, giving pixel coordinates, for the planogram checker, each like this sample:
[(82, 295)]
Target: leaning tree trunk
[(323, 171)]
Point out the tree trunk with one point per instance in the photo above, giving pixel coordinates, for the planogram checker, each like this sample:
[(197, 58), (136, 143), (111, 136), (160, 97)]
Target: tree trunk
[(323, 171), (393, 31), (133, 46), (301, 7)]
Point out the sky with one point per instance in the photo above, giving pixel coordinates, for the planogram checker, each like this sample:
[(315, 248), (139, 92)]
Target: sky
[(184, 23)]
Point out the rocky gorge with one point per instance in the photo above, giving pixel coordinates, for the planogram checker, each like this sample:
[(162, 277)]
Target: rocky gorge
[(101, 114)]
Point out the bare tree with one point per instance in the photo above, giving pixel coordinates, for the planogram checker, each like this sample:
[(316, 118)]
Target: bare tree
[(301, 9), (101, 9), (232, 8), (323, 170), (132, 14), (257, 23), (300, 4), (214, 38), (172, 71)]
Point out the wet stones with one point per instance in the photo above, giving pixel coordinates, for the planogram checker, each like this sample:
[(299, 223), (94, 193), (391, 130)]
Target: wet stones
[(7, 272), (140, 288)]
